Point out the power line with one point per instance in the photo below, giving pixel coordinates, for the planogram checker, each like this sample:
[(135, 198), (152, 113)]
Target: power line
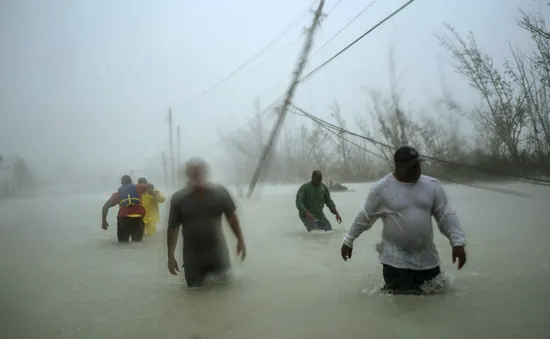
[(542, 182), (262, 113), (356, 40), (254, 56), (262, 65), (322, 65), (342, 137), (499, 190), (310, 74), (333, 7), (345, 26)]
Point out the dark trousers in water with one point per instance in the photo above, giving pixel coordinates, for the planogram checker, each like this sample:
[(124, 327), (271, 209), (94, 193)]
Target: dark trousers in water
[(317, 225), (404, 281), (196, 273), (130, 228)]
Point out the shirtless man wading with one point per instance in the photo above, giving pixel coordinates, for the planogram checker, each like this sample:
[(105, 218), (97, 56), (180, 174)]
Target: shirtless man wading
[(198, 209)]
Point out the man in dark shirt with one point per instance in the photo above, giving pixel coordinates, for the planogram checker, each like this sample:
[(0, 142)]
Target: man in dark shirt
[(198, 208), (310, 201)]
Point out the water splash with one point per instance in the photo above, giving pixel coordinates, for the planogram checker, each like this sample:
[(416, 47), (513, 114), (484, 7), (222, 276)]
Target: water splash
[(440, 284), (443, 283), (317, 232), (222, 278)]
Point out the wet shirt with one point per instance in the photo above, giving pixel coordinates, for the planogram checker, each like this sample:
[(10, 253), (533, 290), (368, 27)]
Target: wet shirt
[(313, 199), (200, 215), (406, 211)]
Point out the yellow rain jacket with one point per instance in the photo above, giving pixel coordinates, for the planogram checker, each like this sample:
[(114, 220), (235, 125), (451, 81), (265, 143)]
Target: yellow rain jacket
[(151, 205)]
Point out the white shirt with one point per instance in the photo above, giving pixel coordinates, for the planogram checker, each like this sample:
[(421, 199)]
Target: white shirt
[(406, 210)]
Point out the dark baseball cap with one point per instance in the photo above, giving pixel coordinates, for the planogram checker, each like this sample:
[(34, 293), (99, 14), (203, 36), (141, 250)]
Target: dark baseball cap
[(406, 155)]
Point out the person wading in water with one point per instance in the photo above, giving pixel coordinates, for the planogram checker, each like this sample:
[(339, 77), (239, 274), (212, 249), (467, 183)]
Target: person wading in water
[(310, 201), (198, 209), (150, 201), (130, 212), (406, 201)]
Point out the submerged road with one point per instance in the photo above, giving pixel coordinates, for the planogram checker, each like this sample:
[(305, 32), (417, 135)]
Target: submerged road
[(63, 277)]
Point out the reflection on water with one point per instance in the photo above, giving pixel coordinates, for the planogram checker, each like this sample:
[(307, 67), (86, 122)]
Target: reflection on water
[(64, 277)]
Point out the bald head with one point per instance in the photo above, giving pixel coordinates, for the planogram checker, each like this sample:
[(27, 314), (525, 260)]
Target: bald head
[(316, 177), (196, 170)]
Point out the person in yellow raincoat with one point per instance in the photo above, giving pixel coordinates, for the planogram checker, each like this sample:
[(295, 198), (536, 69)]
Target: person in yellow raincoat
[(150, 201)]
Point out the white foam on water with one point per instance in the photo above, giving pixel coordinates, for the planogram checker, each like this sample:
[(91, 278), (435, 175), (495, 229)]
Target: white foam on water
[(228, 276), (317, 232), (440, 284)]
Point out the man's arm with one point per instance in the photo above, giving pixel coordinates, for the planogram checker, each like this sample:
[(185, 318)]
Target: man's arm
[(300, 200), (229, 209), (364, 219), (328, 201), (447, 220), (174, 221), (160, 197), (111, 202), (142, 188)]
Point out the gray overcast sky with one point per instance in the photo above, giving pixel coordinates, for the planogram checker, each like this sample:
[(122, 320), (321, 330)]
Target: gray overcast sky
[(80, 81)]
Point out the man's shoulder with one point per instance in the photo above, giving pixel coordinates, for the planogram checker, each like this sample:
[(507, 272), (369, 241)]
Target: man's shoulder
[(385, 181), (180, 194), (430, 181), (305, 185), (219, 189)]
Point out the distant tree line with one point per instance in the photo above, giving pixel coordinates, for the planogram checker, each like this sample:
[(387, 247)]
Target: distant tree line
[(511, 125)]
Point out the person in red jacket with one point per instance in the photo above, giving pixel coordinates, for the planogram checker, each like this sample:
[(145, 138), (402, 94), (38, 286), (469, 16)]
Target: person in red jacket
[(130, 213)]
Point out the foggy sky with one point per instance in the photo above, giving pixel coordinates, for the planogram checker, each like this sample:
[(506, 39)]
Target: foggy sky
[(87, 84)]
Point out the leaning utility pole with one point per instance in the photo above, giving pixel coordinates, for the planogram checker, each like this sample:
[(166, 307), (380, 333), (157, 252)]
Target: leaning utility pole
[(171, 149), (288, 99), (178, 161)]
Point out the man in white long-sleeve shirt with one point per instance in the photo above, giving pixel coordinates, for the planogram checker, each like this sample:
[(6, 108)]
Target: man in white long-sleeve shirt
[(406, 201)]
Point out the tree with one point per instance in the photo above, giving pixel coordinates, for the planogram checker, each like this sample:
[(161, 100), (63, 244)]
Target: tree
[(342, 145), (513, 120)]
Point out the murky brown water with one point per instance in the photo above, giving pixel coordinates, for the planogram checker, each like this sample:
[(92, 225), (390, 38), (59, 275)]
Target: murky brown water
[(64, 277)]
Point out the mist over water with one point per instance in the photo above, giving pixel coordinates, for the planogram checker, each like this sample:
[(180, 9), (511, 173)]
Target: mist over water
[(91, 91), (65, 277)]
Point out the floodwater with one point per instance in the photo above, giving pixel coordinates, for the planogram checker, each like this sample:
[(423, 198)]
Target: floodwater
[(63, 277)]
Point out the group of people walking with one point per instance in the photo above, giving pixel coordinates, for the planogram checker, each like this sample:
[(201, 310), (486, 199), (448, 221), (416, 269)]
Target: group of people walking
[(138, 212), (405, 201)]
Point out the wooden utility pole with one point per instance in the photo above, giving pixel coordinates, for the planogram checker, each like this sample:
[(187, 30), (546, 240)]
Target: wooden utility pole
[(178, 160), (172, 173), (165, 170), (264, 158)]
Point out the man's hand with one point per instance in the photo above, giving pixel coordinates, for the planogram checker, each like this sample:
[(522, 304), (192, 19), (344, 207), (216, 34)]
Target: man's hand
[(338, 218), (310, 216), (241, 249), (346, 252), (460, 254), (104, 224), (173, 266)]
